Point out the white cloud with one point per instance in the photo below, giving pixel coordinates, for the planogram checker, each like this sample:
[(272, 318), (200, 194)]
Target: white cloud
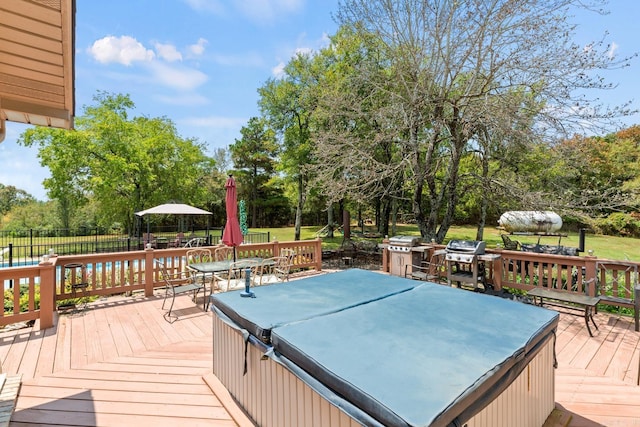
[(124, 50), (325, 40), (304, 48), (177, 77), (303, 51), (278, 70), (197, 49), (163, 67), (168, 52), (612, 50)]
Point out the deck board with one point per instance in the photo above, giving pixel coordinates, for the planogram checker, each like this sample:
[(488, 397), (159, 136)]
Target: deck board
[(48, 346), (78, 340), (119, 363), (104, 335)]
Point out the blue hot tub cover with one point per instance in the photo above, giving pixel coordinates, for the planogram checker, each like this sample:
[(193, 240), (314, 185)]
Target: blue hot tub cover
[(281, 304), (432, 356), (392, 351)]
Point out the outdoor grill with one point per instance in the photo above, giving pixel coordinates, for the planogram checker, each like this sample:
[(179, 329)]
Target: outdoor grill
[(404, 253), (403, 243), (462, 261)]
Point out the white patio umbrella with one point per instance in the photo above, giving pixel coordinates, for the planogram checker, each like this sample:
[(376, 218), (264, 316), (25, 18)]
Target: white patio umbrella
[(172, 209)]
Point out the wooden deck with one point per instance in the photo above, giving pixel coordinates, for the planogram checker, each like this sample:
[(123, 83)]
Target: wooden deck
[(119, 363), (597, 378)]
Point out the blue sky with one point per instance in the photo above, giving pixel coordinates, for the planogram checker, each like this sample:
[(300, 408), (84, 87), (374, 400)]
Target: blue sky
[(200, 62)]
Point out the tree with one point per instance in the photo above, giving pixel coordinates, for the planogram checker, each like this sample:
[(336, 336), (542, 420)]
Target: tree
[(33, 215), (11, 197), (450, 67), (221, 159), (254, 155), (288, 104), (599, 173), (361, 169), (122, 164)]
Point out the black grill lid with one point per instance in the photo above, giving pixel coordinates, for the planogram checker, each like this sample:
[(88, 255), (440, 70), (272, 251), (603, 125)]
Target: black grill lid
[(475, 247)]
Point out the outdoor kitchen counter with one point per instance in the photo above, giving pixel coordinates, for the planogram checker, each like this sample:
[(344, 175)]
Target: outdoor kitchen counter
[(493, 269)]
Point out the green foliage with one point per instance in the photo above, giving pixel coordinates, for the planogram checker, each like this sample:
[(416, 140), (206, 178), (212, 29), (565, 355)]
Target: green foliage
[(243, 218), (24, 299), (34, 215), (288, 103), (254, 157), (619, 224), (122, 164), (11, 197)]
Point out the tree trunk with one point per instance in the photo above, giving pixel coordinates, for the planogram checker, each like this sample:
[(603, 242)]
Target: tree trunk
[(394, 218), (484, 201), (346, 225), (330, 222), (458, 142), (254, 196), (300, 205)]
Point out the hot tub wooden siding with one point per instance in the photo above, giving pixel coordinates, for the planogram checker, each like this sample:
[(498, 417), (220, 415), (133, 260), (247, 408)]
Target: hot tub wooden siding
[(274, 396)]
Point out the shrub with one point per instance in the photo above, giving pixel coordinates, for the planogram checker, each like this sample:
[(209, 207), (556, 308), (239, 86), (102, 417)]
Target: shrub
[(619, 224), (24, 299)]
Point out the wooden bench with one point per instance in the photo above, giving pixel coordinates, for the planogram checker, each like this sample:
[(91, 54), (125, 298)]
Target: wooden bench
[(9, 388), (585, 304)]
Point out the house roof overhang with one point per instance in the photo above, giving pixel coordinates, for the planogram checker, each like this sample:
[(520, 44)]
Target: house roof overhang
[(37, 62)]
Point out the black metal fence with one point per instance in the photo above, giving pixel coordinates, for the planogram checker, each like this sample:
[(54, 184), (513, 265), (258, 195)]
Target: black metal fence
[(27, 247)]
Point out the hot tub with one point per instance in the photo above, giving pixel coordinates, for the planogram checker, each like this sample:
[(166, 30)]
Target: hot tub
[(362, 348)]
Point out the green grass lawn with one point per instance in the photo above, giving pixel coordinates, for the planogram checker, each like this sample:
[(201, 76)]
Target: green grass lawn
[(610, 247)]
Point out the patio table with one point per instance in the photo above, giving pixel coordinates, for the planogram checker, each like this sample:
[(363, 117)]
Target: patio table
[(213, 267)]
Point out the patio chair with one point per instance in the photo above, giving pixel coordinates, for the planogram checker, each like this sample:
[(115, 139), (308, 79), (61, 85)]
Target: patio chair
[(223, 253), (196, 256), (433, 270), (177, 242), (438, 266), (236, 276), (511, 245), (149, 238), (195, 242), (421, 272), (275, 269), (177, 283), (290, 254), (617, 285), (199, 255)]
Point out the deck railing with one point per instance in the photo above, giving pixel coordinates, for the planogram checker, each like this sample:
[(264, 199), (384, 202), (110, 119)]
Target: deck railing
[(110, 274), (21, 248), (578, 274)]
